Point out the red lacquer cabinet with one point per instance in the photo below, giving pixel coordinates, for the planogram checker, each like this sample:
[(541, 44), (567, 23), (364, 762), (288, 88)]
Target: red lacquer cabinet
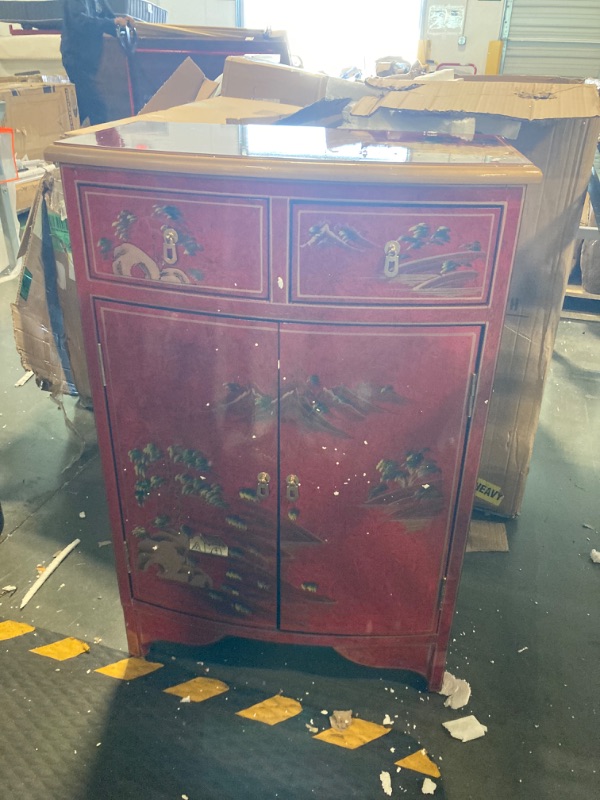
[(291, 335)]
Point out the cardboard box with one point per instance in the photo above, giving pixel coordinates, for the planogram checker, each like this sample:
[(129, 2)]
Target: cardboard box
[(26, 189), (187, 96), (46, 321), (251, 79), (39, 112), (187, 84), (556, 125)]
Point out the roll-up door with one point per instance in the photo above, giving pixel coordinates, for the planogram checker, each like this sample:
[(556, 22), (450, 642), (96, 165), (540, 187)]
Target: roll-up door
[(552, 37)]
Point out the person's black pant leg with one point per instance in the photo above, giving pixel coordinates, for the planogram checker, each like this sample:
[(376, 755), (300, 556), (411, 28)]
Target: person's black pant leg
[(89, 97)]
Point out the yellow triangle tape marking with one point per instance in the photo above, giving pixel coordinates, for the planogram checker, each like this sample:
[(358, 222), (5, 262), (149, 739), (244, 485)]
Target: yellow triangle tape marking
[(420, 762), (128, 669), (358, 733), (10, 629), (62, 650), (272, 711), (198, 689)]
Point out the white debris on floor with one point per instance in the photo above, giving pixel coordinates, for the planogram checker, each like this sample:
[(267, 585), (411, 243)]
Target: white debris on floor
[(429, 786), (595, 556), (386, 782), (456, 690), (466, 728)]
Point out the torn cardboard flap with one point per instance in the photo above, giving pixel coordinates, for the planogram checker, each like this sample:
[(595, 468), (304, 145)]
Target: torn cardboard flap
[(187, 84), (524, 101), (249, 79)]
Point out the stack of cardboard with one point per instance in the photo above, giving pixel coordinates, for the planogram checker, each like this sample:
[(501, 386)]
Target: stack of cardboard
[(39, 109)]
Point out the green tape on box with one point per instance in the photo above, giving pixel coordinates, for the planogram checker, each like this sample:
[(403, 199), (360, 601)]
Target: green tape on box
[(26, 284)]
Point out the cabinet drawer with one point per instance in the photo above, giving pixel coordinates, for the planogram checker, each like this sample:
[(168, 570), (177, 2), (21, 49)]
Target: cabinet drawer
[(211, 244), (417, 254)]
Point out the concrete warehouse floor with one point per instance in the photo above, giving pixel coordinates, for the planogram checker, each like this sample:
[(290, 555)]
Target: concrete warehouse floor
[(526, 634)]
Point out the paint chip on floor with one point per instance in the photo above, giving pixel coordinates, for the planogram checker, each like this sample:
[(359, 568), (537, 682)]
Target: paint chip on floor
[(63, 649), (429, 786), (198, 689), (273, 710), (386, 782), (420, 762), (456, 690), (466, 728), (360, 732), (10, 629), (128, 669)]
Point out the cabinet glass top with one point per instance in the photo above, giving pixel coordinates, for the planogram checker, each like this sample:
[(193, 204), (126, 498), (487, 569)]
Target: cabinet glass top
[(143, 144)]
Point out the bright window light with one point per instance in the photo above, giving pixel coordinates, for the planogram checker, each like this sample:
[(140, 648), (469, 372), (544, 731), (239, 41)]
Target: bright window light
[(332, 36)]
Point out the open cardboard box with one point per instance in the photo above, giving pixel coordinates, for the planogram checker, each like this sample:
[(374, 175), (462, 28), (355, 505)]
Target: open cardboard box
[(556, 125), (251, 79), (189, 96)]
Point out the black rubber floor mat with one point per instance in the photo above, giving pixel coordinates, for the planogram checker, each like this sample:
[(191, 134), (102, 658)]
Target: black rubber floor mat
[(70, 733)]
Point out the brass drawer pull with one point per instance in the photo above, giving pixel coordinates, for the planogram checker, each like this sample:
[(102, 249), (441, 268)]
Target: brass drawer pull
[(292, 487), (262, 486), (170, 239)]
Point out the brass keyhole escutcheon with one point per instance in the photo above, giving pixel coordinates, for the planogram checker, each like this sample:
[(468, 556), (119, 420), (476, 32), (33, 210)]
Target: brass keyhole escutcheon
[(292, 487), (392, 259), (170, 239), (262, 485)]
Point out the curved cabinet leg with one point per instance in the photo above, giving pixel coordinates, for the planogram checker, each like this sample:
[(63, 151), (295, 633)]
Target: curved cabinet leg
[(393, 655)]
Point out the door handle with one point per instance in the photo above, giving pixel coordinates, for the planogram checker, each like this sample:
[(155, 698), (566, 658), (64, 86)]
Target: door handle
[(292, 490), (262, 486)]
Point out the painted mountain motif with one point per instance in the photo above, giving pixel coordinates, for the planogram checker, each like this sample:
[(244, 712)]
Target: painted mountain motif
[(408, 488), (313, 406)]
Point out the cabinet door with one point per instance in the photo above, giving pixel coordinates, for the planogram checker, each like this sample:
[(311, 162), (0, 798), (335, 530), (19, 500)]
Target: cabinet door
[(192, 404), (373, 425)]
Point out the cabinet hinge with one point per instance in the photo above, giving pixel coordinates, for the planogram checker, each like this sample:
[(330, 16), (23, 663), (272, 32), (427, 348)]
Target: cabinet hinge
[(127, 559), (442, 596), (101, 361), (472, 394)]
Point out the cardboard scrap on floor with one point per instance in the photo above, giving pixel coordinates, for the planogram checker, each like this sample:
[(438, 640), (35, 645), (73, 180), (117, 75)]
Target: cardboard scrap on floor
[(487, 537), (466, 728)]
